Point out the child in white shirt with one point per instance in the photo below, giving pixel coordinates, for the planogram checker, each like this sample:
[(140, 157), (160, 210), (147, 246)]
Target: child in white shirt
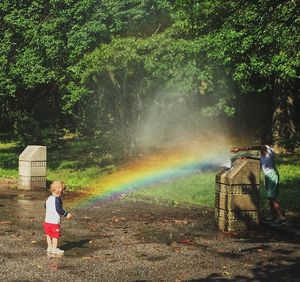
[(271, 179), (54, 210)]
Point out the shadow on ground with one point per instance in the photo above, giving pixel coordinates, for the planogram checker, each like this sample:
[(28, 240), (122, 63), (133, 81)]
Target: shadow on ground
[(273, 269), (80, 244)]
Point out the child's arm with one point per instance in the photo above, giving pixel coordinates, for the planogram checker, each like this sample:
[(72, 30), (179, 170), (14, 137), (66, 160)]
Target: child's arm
[(59, 207), (259, 147), (251, 158)]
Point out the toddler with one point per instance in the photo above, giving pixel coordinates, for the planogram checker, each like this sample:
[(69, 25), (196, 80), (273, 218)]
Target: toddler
[(54, 209)]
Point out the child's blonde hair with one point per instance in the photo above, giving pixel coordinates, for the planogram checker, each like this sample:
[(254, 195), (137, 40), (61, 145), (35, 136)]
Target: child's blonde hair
[(57, 186)]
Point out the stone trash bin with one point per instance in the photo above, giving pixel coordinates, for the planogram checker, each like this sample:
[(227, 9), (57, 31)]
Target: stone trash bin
[(237, 196), (33, 167)]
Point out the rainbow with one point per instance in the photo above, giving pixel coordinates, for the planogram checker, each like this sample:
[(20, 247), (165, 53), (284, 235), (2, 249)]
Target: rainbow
[(149, 170)]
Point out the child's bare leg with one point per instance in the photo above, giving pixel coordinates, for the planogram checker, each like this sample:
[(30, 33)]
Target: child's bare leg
[(277, 210), (49, 242), (54, 243), (272, 210)]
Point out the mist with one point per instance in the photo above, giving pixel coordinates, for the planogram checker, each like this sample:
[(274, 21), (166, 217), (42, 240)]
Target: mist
[(179, 125)]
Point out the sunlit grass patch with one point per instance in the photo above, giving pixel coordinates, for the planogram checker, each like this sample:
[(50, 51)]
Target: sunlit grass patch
[(197, 189), (8, 173), (7, 145), (82, 163), (200, 189), (78, 180), (289, 189), (9, 159), (76, 162)]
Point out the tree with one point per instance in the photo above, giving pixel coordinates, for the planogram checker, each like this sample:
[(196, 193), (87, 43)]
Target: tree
[(258, 41), (113, 84), (40, 40), (107, 82)]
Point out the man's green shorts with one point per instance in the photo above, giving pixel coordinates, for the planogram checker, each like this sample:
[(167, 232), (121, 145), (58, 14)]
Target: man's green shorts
[(272, 183)]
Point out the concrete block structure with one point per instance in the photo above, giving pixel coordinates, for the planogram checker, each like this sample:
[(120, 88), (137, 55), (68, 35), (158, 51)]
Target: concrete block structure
[(237, 206), (33, 167)]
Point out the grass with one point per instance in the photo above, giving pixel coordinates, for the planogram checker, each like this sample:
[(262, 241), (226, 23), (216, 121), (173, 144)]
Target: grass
[(76, 162), (9, 153), (194, 190), (200, 189), (289, 170), (80, 163)]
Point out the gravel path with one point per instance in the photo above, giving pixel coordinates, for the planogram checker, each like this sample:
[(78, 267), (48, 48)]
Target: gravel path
[(135, 241)]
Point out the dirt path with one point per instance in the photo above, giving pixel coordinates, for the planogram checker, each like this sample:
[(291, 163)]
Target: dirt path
[(127, 241)]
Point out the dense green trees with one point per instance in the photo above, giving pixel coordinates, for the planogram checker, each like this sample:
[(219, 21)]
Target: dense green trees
[(93, 66), (40, 40), (259, 42)]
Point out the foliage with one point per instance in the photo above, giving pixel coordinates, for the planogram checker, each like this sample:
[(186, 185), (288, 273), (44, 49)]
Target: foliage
[(39, 41), (291, 144), (114, 82), (257, 38), (92, 67), (258, 42)]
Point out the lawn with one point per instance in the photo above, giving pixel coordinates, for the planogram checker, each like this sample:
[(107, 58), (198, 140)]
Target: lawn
[(199, 189), (193, 190), (81, 163), (76, 162), (9, 152)]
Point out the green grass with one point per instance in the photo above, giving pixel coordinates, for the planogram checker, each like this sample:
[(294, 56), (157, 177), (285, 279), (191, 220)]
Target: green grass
[(200, 189), (9, 159), (76, 162), (193, 190), (289, 170), (80, 163)]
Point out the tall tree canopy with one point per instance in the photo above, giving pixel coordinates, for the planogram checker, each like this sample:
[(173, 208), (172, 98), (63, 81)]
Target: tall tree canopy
[(41, 39), (93, 66), (259, 42)]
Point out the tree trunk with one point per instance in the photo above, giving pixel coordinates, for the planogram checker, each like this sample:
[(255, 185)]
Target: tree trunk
[(283, 122)]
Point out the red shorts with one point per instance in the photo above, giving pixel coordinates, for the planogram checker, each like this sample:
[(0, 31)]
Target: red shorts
[(52, 230)]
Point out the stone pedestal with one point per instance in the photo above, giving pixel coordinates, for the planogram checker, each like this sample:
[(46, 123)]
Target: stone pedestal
[(33, 167), (237, 196)]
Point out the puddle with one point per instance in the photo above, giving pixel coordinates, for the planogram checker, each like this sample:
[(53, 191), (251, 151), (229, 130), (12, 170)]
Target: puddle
[(155, 235)]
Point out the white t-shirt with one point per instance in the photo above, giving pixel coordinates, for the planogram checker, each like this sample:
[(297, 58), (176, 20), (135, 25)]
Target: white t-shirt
[(54, 210), (267, 161)]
